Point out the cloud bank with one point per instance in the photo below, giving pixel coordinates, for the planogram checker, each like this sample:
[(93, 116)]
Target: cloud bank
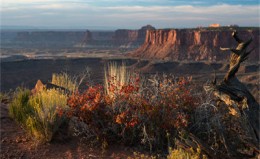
[(133, 14)]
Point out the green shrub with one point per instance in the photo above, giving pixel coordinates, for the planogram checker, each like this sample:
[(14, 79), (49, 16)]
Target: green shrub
[(19, 109), (41, 114)]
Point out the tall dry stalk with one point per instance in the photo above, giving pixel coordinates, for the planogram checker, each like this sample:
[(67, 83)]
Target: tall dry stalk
[(116, 76)]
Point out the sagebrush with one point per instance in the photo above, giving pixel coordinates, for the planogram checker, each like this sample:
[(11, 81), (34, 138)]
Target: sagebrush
[(40, 114)]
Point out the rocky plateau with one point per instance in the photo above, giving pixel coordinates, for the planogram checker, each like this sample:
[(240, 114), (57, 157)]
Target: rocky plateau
[(193, 44)]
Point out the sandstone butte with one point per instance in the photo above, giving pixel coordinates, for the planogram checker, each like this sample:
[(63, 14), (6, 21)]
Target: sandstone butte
[(193, 44)]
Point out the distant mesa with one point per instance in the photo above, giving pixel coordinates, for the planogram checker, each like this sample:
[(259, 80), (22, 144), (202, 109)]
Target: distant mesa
[(193, 44), (121, 38), (148, 27)]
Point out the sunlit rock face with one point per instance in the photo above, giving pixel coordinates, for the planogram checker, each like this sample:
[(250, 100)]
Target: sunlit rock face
[(193, 44)]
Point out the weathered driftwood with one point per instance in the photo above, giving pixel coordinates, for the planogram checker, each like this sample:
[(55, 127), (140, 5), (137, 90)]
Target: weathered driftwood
[(236, 96)]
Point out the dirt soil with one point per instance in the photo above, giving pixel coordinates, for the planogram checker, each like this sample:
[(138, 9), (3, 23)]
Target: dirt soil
[(15, 143)]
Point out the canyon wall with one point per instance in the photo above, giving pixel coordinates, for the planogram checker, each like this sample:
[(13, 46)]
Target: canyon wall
[(193, 44)]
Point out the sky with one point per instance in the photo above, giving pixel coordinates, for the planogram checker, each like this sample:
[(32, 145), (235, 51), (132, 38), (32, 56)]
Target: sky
[(132, 14)]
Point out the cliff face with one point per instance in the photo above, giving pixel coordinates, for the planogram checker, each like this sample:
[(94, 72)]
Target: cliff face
[(191, 44)]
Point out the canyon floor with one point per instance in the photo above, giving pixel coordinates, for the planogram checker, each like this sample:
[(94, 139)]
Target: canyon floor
[(26, 72)]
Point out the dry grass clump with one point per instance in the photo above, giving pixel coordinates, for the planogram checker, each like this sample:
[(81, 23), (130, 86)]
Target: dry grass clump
[(65, 81), (116, 77), (48, 107)]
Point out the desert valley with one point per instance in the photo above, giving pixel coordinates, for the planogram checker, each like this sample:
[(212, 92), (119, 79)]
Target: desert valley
[(138, 79), (179, 51), (31, 55)]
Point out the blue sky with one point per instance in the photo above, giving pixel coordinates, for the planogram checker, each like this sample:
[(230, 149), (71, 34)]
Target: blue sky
[(128, 13)]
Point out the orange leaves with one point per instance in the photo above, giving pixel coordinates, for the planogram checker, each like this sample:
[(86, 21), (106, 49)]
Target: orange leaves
[(97, 98), (127, 119), (132, 123), (87, 101), (59, 111), (181, 120), (128, 89), (120, 118), (118, 89)]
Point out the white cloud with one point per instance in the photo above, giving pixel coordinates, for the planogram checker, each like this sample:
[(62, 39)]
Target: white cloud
[(79, 13), (27, 1), (219, 9)]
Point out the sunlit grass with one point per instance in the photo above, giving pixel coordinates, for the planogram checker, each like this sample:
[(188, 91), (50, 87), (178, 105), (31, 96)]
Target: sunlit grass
[(41, 114), (65, 81), (46, 120)]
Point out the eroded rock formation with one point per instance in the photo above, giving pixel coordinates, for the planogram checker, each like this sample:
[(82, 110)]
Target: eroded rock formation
[(192, 44)]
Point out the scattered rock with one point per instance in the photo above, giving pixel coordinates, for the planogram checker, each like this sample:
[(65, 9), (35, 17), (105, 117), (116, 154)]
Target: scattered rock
[(38, 87)]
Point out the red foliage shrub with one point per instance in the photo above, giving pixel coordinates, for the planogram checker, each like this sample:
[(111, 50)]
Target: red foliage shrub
[(161, 108)]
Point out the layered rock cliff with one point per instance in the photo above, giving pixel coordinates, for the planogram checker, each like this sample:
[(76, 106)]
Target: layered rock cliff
[(193, 44)]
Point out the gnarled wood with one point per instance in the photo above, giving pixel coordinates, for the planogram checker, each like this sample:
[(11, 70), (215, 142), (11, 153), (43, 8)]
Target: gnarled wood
[(236, 96)]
